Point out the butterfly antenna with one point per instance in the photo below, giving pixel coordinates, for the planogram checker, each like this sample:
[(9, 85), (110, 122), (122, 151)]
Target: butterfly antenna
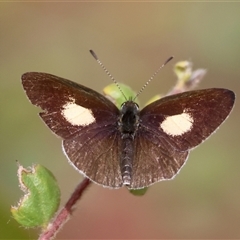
[(152, 77), (107, 72)]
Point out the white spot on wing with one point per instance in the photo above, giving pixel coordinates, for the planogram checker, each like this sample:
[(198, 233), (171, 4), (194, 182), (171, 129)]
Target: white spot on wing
[(77, 115), (177, 125)]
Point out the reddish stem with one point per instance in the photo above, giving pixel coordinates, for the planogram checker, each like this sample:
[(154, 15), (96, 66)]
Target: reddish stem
[(64, 214)]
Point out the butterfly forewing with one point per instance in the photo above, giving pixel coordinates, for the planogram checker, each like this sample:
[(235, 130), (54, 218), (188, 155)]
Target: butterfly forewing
[(185, 120), (69, 108)]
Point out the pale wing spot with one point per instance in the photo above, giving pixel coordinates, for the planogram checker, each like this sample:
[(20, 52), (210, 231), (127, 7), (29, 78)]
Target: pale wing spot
[(178, 124), (77, 115)]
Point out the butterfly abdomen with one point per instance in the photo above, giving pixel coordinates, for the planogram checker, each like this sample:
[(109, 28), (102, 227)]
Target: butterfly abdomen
[(126, 162)]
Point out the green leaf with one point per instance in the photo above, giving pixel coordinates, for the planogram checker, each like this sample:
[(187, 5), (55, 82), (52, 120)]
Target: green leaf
[(115, 95), (138, 192), (41, 198)]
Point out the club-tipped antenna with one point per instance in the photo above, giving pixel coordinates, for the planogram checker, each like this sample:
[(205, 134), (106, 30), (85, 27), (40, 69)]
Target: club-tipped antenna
[(152, 77), (107, 72)]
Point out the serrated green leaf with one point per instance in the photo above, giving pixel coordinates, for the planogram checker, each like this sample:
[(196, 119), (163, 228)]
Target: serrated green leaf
[(41, 198)]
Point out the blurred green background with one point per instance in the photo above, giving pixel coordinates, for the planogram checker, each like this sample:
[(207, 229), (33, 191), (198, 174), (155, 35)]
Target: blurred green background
[(133, 40)]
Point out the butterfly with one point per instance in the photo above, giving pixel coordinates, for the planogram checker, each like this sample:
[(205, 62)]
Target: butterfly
[(126, 147)]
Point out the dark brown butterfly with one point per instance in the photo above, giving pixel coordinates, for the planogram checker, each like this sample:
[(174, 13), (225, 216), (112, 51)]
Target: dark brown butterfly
[(128, 147)]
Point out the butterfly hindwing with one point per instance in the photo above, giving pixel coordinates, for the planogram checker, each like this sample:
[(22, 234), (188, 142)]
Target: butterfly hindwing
[(154, 159), (96, 155)]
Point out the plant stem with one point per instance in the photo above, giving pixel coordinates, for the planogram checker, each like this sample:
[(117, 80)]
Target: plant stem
[(64, 214)]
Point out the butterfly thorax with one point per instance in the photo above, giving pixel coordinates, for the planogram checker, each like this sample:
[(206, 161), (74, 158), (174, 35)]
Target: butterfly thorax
[(129, 118), (128, 124)]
